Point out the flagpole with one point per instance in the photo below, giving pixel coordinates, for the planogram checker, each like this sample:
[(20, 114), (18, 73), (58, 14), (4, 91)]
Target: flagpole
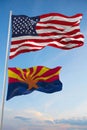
[(5, 72)]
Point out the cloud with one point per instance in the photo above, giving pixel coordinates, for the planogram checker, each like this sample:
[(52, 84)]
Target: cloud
[(33, 121), (71, 121), (77, 128), (22, 118), (79, 122), (25, 121), (49, 122)]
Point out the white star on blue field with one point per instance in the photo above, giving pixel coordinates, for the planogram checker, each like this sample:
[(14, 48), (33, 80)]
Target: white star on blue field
[(24, 25)]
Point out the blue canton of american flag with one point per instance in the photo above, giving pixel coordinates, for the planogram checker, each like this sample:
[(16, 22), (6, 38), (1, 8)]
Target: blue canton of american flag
[(23, 25), (53, 29)]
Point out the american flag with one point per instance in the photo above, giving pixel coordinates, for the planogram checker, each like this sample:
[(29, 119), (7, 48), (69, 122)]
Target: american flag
[(53, 29)]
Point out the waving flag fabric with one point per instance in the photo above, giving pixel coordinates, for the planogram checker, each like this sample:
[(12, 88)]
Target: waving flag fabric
[(40, 78), (53, 29)]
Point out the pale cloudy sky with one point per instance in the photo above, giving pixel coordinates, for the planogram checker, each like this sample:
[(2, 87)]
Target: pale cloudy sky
[(65, 110)]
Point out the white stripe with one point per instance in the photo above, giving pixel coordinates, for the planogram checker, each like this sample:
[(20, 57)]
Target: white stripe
[(41, 31), (57, 26), (50, 24), (24, 48), (41, 37), (61, 18), (36, 44), (70, 45), (71, 39), (69, 29), (35, 37)]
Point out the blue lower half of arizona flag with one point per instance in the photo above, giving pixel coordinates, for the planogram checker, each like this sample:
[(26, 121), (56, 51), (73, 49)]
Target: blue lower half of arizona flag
[(15, 89), (39, 78)]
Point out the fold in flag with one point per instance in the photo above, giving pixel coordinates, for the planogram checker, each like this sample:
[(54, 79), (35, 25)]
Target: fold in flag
[(53, 29), (40, 78)]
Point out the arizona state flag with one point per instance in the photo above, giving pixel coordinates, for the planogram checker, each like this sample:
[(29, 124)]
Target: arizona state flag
[(40, 78)]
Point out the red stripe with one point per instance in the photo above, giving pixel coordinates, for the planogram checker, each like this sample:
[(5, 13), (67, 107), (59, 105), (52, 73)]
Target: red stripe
[(53, 78), (24, 41), (28, 47), (15, 70), (56, 33), (72, 42), (38, 70), (51, 72), (66, 46), (48, 27), (58, 22), (31, 40), (21, 51), (12, 80), (47, 80), (61, 15), (78, 36), (31, 70)]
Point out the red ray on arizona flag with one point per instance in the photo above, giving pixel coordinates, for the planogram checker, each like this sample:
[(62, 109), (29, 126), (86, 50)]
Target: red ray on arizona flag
[(40, 78), (52, 29)]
